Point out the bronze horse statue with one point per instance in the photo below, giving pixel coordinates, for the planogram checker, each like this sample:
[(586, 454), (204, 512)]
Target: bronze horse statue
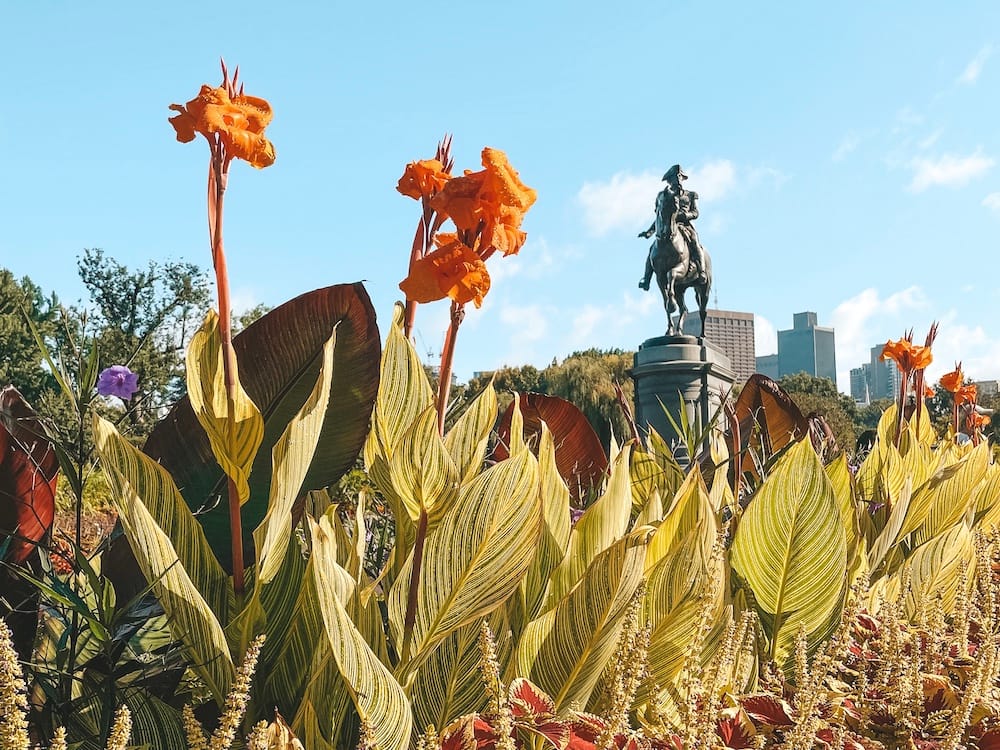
[(670, 258)]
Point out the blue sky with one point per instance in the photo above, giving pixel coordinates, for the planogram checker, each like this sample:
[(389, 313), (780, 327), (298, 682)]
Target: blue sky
[(845, 154)]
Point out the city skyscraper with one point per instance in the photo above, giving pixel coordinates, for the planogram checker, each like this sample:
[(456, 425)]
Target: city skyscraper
[(805, 347), (733, 332)]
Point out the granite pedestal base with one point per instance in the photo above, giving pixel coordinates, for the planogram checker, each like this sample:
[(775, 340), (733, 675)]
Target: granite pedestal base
[(675, 372)]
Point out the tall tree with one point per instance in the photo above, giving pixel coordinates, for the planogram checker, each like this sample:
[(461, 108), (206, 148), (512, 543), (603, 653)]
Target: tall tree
[(143, 319), (20, 357)]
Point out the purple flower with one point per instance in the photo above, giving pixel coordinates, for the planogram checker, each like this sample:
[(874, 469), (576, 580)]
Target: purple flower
[(119, 381)]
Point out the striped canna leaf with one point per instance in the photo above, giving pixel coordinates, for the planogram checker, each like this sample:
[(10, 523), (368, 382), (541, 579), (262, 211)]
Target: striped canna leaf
[(450, 682), (291, 457), (566, 649), (791, 550), (378, 699), (473, 560), (466, 441), (603, 523), (234, 437), (939, 505), (173, 555)]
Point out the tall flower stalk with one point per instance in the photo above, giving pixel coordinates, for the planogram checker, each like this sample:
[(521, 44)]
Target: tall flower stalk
[(487, 208), (911, 360), (233, 124)]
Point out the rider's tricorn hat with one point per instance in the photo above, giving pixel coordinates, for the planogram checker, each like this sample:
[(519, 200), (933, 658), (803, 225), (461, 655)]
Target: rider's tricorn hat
[(675, 171)]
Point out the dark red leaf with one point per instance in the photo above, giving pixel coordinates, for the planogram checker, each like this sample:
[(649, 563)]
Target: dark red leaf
[(767, 710), (28, 475), (990, 739), (528, 701), (735, 729), (579, 455)]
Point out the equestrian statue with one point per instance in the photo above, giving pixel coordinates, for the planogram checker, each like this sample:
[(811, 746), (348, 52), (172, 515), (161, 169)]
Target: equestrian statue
[(676, 255)]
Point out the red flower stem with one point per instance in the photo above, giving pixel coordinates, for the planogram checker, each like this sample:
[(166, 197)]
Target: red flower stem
[(900, 400), (410, 616), (416, 252), (447, 355), (954, 415), (918, 389), (217, 191)]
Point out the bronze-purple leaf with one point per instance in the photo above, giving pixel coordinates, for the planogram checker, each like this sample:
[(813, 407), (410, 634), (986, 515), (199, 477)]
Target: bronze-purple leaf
[(579, 455), (29, 471)]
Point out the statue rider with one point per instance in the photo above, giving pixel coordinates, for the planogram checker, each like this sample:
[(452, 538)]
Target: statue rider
[(685, 204)]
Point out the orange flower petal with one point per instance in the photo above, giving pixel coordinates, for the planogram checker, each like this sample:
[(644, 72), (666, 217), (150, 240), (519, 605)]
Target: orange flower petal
[(952, 381), (505, 183), (453, 270), (461, 201), (966, 394), (238, 123), (422, 179)]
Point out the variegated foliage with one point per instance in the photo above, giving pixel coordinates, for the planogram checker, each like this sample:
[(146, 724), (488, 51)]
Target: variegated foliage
[(476, 542)]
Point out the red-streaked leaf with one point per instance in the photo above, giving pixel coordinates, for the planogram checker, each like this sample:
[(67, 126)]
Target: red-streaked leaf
[(528, 701), (767, 710), (768, 421), (579, 455), (28, 474), (279, 357), (735, 728)]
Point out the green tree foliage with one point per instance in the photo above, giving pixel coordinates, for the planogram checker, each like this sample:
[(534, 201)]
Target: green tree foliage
[(143, 319), (585, 378), (20, 357), (820, 396)]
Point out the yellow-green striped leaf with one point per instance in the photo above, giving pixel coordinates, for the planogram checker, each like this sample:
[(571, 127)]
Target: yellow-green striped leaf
[(934, 570), (791, 550), (690, 509), (290, 461), (566, 649), (377, 697), (422, 472), (186, 578), (466, 440), (474, 559), (675, 594), (554, 496), (948, 501), (450, 682), (604, 522), (234, 437)]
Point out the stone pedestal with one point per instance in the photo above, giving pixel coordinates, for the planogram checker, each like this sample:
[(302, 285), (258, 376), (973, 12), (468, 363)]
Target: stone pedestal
[(669, 369)]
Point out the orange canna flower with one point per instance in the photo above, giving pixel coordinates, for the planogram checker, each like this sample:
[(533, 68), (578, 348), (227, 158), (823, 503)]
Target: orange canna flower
[(423, 179), (237, 120), (459, 200), (906, 355), (928, 392), (966, 394), (452, 270), (491, 201), (977, 421), (953, 380)]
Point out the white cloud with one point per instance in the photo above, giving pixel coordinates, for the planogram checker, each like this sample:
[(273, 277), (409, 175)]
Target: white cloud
[(992, 202), (978, 352), (972, 71), (243, 299), (948, 170), (627, 200), (866, 320), (765, 336), (929, 140), (846, 146), (535, 261), (713, 181), (623, 202)]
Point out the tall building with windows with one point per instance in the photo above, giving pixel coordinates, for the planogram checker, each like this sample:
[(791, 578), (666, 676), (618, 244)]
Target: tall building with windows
[(731, 331), (876, 379), (805, 347), (859, 384)]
